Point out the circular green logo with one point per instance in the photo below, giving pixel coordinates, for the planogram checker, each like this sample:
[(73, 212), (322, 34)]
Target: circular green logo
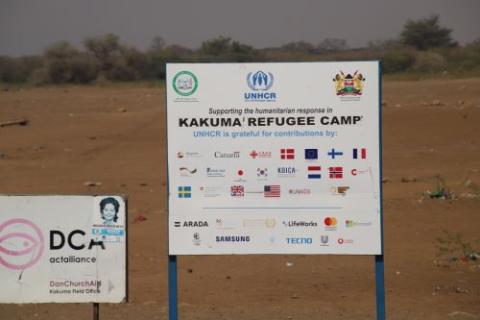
[(185, 83)]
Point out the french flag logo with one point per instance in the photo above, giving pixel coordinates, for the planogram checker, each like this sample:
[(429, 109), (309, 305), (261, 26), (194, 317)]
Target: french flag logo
[(360, 153)]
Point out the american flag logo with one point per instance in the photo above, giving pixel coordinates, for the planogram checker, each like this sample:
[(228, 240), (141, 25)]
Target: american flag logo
[(272, 191), (335, 172), (287, 154), (237, 191)]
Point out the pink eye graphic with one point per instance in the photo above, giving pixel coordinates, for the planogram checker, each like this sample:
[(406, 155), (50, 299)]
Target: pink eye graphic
[(21, 244)]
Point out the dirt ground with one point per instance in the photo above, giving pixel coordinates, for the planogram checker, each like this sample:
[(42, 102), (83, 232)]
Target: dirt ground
[(116, 135)]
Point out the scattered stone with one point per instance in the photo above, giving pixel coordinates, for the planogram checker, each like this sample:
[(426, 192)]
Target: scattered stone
[(462, 315), (143, 184), (436, 103), (3, 156), (189, 270), (461, 102), (398, 105), (385, 180), (92, 184), (228, 278), (92, 138), (139, 218), (468, 196), (289, 264), (21, 122), (122, 110), (384, 103), (295, 296), (460, 290), (407, 180)]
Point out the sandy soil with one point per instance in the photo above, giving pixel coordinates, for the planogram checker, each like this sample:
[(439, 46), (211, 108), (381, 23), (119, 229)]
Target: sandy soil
[(116, 135)]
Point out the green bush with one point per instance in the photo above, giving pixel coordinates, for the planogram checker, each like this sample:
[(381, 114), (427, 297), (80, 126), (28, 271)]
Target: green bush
[(63, 63), (398, 61)]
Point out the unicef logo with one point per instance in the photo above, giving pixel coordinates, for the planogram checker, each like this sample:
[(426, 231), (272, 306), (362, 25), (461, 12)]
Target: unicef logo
[(185, 83), (260, 81), (21, 244)]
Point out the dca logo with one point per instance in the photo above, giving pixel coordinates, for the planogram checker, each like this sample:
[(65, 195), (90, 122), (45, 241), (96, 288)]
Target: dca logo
[(260, 82), (21, 244)]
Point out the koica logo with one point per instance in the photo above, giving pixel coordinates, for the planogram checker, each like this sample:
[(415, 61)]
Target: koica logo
[(286, 172), (21, 244)]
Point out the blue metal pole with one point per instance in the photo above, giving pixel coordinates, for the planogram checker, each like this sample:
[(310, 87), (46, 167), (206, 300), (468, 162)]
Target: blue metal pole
[(172, 288), (380, 286)]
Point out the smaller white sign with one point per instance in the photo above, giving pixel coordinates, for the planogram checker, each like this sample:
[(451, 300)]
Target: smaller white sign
[(62, 249)]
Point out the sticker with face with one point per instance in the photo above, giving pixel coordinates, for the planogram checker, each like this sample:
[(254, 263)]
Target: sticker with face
[(109, 210)]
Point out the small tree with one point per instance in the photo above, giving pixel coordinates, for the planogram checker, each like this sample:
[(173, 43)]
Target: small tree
[(107, 50), (299, 46), (64, 63), (332, 45), (426, 33)]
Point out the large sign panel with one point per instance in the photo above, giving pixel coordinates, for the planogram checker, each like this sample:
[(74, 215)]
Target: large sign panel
[(62, 249), (274, 158)]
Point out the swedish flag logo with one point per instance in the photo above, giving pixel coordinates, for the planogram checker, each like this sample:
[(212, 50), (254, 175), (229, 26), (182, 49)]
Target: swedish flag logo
[(185, 192)]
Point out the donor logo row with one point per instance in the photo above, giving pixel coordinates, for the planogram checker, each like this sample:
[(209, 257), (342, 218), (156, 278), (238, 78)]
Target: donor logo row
[(328, 224), (322, 240)]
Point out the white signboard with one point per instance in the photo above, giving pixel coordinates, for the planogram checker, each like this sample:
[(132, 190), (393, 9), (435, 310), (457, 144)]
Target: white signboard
[(62, 249), (274, 158)]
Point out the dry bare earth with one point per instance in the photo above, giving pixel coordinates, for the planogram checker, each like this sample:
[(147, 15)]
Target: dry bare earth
[(116, 135)]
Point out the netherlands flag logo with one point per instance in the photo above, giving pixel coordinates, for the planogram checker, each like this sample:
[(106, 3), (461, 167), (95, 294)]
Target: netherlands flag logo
[(314, 172)]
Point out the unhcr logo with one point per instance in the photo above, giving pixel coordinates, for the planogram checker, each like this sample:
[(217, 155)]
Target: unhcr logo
[(260, 82)]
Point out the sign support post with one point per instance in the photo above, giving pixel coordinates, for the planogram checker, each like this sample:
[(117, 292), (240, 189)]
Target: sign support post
[(96, 311), (380, 286), (172, 288)]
